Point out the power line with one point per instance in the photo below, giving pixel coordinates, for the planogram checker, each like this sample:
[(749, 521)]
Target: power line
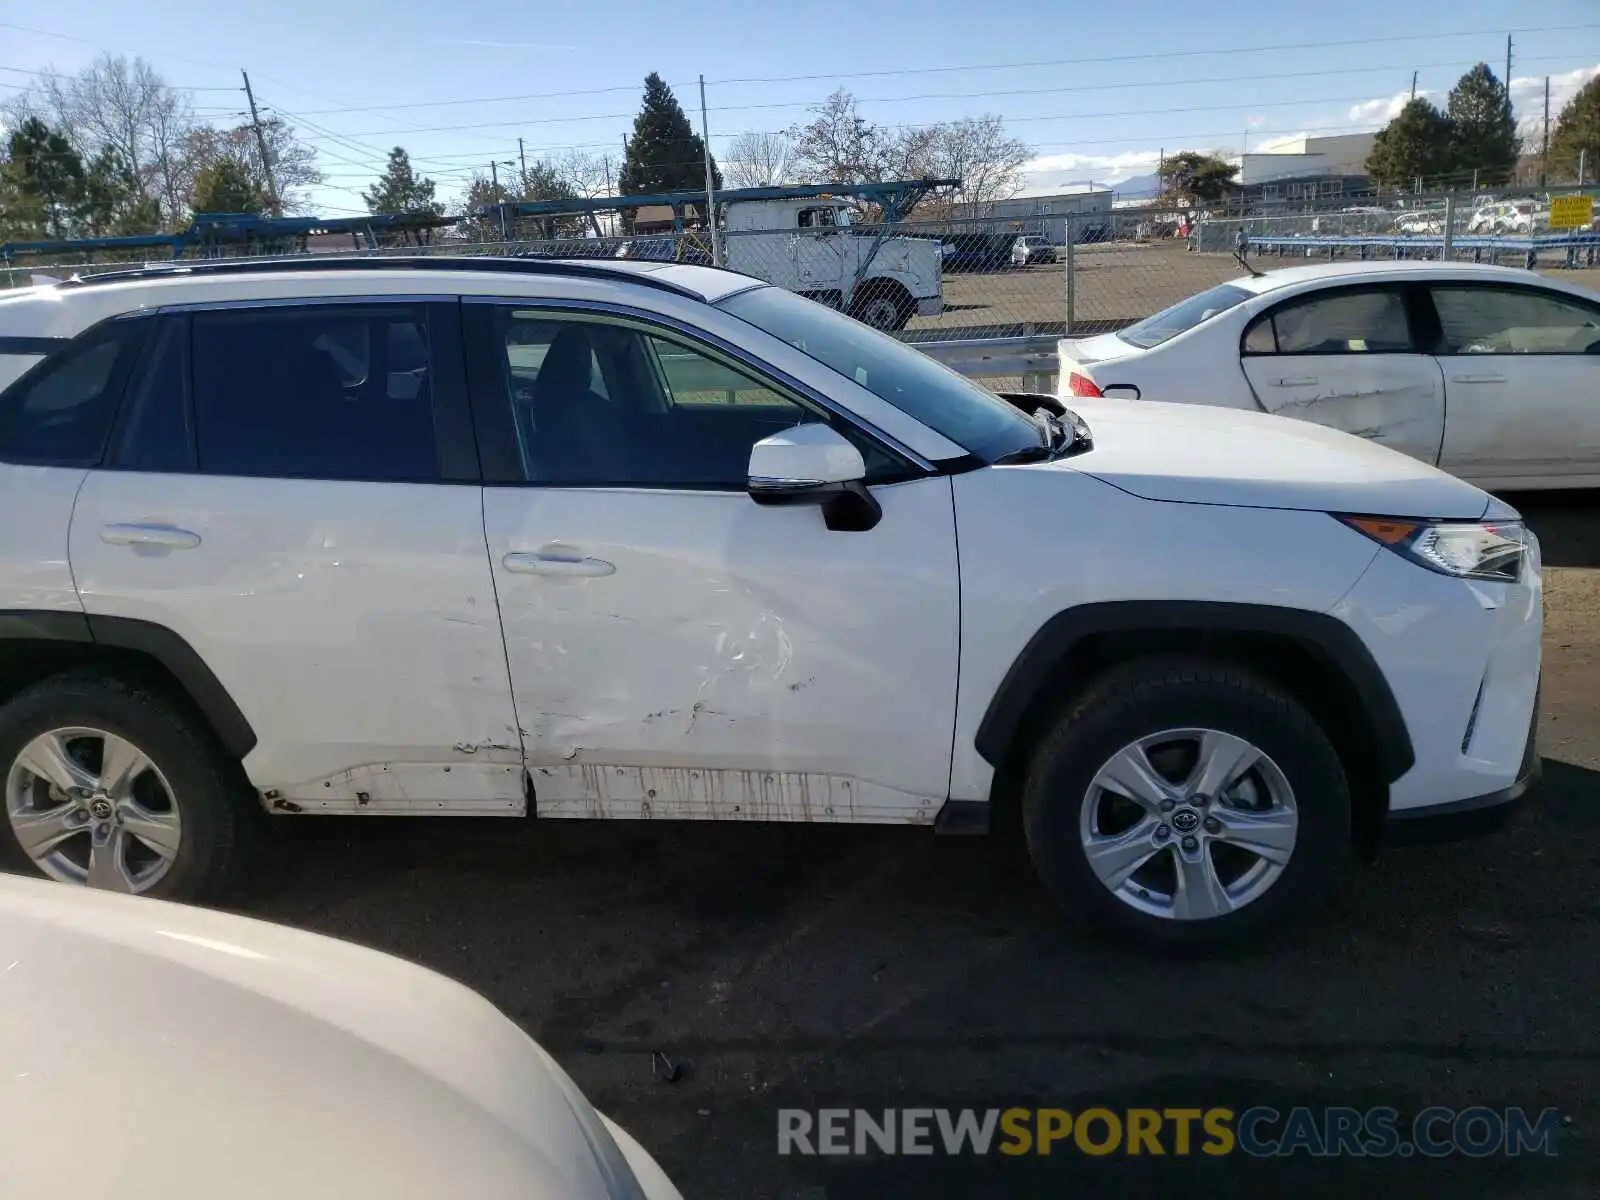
[(1156, 55)]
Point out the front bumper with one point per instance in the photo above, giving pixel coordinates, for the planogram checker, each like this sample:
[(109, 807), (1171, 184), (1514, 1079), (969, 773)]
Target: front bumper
[(1474, 816)]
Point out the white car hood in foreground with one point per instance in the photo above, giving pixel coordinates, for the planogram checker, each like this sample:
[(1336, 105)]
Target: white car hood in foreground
[(154, 1050), (1202, 455)]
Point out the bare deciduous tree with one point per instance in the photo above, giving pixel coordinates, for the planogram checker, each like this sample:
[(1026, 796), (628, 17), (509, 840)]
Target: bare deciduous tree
[(839, 145), (125, 106), (758, 158)]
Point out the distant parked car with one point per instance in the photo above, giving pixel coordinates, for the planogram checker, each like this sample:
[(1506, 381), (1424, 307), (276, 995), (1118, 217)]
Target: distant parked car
[(1509, 217), (1488, 372), (1026, 251), (269, 1062)]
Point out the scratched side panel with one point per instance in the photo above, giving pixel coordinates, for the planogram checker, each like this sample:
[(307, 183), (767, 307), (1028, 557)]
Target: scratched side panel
[(1396, 400), (684, 793)]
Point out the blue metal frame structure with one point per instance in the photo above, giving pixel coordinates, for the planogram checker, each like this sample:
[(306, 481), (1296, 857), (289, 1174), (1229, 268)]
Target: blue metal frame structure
[(209, 233)]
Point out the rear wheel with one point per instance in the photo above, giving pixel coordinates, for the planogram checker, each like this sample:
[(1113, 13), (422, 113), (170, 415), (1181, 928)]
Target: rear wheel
[(885, 306), (1186, 802), (112, 786)]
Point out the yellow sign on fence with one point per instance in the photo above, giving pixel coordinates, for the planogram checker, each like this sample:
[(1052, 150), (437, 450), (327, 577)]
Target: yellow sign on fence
[(1571, 212)]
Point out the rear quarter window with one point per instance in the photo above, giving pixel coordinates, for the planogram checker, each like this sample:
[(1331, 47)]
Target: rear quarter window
[(59, 411)]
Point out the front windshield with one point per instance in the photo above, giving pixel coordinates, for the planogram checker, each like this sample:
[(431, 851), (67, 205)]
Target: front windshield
[(977, 421), (1183, 316)]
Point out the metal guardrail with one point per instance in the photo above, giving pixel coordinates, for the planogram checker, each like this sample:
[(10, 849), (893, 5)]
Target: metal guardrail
[(1032, 359), (1577, 249)]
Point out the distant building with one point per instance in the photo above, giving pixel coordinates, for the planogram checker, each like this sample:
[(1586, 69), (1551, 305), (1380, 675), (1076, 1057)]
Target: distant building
[(1046, 214)]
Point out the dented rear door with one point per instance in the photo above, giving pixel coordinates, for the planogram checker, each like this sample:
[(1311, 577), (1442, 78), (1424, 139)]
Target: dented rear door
[(1347, 357)]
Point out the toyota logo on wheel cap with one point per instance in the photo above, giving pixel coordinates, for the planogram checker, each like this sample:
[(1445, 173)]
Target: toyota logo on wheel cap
[(1186, 820)]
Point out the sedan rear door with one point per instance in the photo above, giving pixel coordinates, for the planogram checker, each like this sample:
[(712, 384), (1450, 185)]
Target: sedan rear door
[(1522, 380), (1348, 357)]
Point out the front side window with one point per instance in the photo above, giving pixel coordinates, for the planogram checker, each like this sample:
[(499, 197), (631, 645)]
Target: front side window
[(603, 403), (325, 392), (1183, 316), (950, 404), (60, 412), (1479, 320), (1354, 321)]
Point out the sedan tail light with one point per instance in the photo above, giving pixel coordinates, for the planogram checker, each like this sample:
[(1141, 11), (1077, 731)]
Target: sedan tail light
[(1082, 385)]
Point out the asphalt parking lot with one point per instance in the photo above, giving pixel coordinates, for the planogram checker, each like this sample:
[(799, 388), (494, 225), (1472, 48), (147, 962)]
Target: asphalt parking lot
[(807, 967)]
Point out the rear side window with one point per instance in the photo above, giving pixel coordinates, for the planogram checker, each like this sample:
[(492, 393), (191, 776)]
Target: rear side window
[(156, 432), (1515, 321), (322, 392), (60, 413), (1355, 321)]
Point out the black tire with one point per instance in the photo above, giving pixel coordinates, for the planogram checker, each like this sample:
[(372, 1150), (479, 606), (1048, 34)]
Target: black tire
[(882, 297), (1148, 696), (220, 820)]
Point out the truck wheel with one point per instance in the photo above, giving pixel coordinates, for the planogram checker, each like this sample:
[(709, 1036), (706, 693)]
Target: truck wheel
[(113, 786), (886, 306), (1187, 802)]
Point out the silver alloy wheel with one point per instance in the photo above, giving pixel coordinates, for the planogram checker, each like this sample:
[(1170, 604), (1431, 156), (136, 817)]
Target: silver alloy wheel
[(1189, 824), (90, 807)]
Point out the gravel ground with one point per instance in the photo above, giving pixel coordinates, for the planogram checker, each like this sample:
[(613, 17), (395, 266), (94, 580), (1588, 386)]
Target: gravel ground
[(795, 966)]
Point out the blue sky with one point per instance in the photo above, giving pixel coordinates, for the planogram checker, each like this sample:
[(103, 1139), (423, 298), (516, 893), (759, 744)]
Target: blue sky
[(1096, 89)]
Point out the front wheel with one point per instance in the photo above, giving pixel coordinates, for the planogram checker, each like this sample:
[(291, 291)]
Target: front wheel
[(1187, 802)]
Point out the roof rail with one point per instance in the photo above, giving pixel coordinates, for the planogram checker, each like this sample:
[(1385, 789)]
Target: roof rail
[(489, 264)]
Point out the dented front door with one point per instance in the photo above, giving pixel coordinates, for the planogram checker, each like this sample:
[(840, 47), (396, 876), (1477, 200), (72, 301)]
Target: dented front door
[(1346, 357), (694, 654)]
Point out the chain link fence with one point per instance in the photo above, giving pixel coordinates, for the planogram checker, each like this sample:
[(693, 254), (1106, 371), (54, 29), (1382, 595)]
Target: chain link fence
[(1043, 276)]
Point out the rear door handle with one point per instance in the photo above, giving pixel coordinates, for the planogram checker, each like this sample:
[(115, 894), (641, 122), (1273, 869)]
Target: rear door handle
[(1297, 381), (1477, 379), (141, 534), (544, 563)]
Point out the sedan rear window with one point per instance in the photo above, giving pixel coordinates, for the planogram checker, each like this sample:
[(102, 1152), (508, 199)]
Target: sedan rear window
[(1183, 316)]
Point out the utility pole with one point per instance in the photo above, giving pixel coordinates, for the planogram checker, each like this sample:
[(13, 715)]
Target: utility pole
[(261, 145), (499, 196), (1544, 149), (1413, 85), (522, 155), (1507, 80), (1583, 153), (711, 192)]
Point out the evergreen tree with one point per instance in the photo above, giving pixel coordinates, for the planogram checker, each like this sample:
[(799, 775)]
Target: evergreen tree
[(401, 189), (114, 205), (1415, 145), (664, 153), (226, 186), (48, 176), (1483, 137), (1577, 134)]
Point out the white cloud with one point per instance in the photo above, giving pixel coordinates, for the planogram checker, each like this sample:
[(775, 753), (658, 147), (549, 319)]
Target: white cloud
[(1050, 170), (1527, 100)]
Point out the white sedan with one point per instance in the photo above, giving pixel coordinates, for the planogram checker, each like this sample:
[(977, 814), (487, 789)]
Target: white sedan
[(153, 1050), (1491, 373)]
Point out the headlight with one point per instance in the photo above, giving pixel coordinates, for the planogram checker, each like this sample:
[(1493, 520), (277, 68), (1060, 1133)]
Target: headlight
[(1492, 549)]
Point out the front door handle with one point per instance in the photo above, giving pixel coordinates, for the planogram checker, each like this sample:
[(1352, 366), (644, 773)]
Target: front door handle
[(1297, 381), (1477, 379), (549, 563), (169, 537)]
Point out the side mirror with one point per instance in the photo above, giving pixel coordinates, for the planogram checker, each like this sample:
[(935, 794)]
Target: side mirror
[(814, 464)]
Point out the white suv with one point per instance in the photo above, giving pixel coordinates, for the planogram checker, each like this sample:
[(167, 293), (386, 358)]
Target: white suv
[(660, 541)]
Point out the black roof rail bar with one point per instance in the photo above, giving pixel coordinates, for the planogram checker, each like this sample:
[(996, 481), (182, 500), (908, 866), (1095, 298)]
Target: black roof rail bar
[(488, 264)]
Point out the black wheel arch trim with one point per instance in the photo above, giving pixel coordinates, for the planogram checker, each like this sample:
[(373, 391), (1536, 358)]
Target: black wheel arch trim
[(149, 638), (1332, 641)]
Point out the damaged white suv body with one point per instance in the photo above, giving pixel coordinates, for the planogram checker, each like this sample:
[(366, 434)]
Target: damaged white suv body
[(644, 540)]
